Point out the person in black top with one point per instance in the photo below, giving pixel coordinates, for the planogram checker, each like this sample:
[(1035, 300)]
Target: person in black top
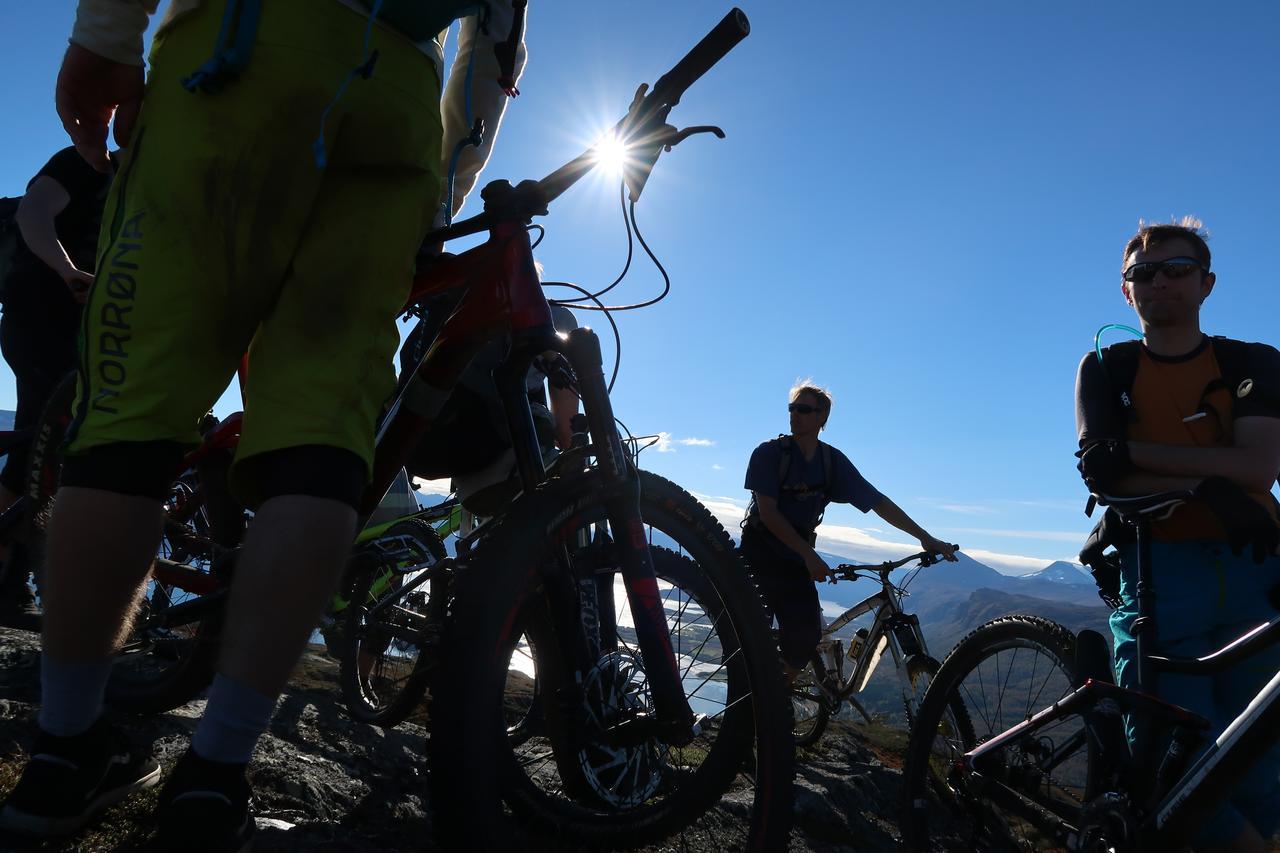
[(58, 221), (792, 479)]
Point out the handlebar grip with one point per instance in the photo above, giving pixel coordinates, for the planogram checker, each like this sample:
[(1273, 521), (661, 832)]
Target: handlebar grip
[(733, 28)]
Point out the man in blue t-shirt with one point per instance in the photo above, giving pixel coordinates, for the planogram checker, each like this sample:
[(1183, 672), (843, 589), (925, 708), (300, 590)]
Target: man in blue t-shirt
[(788, 497)]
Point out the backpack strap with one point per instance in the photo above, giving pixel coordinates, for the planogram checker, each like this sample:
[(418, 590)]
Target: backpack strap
[(784, 458), (828, 473), (1236, 364), (1119, 364)]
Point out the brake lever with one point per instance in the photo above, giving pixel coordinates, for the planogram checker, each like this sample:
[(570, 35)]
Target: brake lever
[(675, 137)]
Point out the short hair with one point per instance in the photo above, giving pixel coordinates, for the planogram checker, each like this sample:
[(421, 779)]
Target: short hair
[(1187, 228), (807, 386)]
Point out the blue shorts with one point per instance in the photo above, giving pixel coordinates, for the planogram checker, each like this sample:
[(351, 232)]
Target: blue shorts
[(1205, 597)]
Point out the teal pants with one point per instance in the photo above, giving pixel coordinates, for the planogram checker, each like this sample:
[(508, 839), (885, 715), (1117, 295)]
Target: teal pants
[(1206, 597)]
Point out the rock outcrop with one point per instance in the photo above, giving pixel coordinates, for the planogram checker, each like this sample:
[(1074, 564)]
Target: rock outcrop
[(324, 783)]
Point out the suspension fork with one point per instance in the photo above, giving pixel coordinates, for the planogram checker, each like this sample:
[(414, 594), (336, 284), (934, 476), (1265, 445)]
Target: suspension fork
[(675, 718), (560, 582)]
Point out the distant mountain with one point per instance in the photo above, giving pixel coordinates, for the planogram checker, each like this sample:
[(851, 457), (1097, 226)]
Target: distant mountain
[(1063, 572), (947, 625)]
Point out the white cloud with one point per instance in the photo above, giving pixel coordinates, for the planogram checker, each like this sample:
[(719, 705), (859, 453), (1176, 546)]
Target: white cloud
[(716, 467), (1011, 564), (961, 508), (432, 487), (860, 545), (1049, 535), (666, 442)]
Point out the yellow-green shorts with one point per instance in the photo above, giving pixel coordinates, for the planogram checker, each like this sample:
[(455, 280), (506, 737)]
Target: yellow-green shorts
[(221, 236)]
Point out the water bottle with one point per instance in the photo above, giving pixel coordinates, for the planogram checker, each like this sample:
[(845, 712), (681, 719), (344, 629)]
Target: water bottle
[(856, 644)]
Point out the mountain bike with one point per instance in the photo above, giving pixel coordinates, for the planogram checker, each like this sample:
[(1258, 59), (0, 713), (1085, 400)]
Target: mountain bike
[(604, 709), (824, 685), (1037, 755), (170, 654)]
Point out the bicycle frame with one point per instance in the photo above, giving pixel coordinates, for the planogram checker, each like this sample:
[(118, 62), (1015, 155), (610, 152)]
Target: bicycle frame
[(503, 294), (891, 629), (1175, 799), (888, 630)]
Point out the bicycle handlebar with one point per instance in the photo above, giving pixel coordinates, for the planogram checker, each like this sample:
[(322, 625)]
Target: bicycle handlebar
[(733, 28), (926, 558), (644, 124)]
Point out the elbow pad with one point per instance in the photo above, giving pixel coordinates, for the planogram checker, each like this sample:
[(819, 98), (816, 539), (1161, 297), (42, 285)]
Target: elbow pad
[(1103, 463)]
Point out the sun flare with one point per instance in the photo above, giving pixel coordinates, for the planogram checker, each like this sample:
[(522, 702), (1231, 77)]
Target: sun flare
[(611, 154)]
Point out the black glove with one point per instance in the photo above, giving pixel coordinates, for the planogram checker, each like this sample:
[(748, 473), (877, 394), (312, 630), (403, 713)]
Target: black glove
[(1103, 463), (1244, 519)]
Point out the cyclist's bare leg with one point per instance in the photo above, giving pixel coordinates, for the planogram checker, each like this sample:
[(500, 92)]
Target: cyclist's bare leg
[(101, 545), (293, 554)]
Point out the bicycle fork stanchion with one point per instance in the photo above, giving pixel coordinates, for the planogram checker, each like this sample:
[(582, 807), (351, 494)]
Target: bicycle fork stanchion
[(1144, 635), (675, 718), (1144, 627)]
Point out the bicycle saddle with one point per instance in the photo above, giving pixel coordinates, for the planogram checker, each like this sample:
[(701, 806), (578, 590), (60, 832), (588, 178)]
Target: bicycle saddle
[(1157, 505)]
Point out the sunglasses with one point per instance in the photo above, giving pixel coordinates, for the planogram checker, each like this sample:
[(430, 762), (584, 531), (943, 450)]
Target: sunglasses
[(1172, 268), (803, 408)]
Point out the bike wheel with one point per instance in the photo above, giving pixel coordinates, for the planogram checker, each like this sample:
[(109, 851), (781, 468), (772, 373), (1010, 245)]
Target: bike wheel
[(383, 669), (808, 707), (169, 656), (998, 676), (609, 793)]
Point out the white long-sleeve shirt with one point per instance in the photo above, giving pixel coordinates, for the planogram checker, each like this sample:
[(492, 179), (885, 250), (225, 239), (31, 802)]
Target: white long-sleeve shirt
[(114, 29)]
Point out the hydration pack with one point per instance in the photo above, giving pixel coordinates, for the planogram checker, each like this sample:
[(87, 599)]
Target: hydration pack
[(787, 447)]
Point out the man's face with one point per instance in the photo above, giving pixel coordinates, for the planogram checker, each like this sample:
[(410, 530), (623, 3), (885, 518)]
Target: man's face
[(1167, 300), (807, 416)]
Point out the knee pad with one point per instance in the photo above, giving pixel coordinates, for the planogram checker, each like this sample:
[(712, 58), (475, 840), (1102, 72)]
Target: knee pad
[(314, 470), (138, 468)]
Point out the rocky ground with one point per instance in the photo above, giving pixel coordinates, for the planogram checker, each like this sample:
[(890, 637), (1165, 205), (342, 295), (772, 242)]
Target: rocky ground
[(323, 783)]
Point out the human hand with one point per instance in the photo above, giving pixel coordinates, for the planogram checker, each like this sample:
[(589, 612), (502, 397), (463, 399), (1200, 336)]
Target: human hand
[(91, 88), (937, 546), (1246, 523), (78, 282), (818, 569)]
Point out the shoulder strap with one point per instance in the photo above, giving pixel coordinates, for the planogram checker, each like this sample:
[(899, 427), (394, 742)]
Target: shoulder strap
[(828, 467), (1120, 367), (784, 458), (1234, 360)]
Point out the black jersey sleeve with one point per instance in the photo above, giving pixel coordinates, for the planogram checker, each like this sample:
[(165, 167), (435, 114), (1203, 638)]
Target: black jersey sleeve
[(1261, 390), (1098, 414), (68, 168)]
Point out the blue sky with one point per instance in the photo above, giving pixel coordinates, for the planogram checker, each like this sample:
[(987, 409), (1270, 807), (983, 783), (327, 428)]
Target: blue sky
[(919, 205)]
